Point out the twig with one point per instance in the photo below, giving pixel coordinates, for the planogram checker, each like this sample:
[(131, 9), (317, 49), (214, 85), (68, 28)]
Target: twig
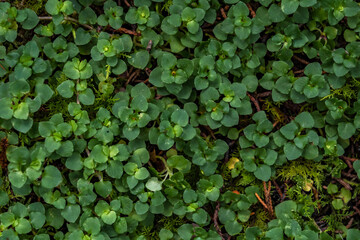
[(356, 210), (347, 161), (345, 184), (299, 71), (268, 197), (350, 223), (261, 201), (349, 175), (132, 76), (210, 131), (278, 190), (264, 94), (67, 19), (255, 102), (348, 158), (127, 31), (223, 14), (215, 219), (147, 71), (252, 12), (127, 3), (275, 123), (149, 46), (301, 60), (316, 194)]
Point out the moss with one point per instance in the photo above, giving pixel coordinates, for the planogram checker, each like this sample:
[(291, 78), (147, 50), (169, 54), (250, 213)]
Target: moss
[(303, 170), (149, 233), (38, 6), (171, 223), (260, 218), (348, 92), (57, 104), (274, 111)]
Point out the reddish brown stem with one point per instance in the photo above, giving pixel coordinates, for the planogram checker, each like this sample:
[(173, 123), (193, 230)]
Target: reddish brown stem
[(348, 158), (350, 223), (356, 210), (255, 102), (127, 3), (132, 76), (301, 60), (316, 194), (210, 131), (349, 175), (252, 12), (223, 14), (345, 184), (268, 198), (261, 201), (264, 94), (348, 163), (278, 188), (127, 31), (215, 219), (299, 71)]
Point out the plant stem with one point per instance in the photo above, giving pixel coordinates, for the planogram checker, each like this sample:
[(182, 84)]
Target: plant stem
[(70, 19)]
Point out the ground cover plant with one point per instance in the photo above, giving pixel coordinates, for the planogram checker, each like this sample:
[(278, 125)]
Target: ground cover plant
[(179, 119)]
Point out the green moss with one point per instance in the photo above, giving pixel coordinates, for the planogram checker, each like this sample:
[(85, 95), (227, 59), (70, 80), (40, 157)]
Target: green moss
[(38, 6), (171, 223), (149, 233), (348, 92), (303, 170)]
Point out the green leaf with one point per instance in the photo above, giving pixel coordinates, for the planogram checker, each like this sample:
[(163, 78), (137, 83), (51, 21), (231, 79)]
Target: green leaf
[(92, 225), (263, 172), (31, 20), (77, 69), (141, 208), (51, 177), (71, 213), (289, 6), (286, 209), (180, 163), (139, 59), (165, 234), (353, 234), (291, 151), (233, 227), (87, 97), (305, 120), (18, 179), (153, 184), (180, 117), (6, 111), (22, 111), (142, 174), (289, 130), (103, 188), (346, 130), (52, 7), (23, 226), (356, 166), (164, 142)]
